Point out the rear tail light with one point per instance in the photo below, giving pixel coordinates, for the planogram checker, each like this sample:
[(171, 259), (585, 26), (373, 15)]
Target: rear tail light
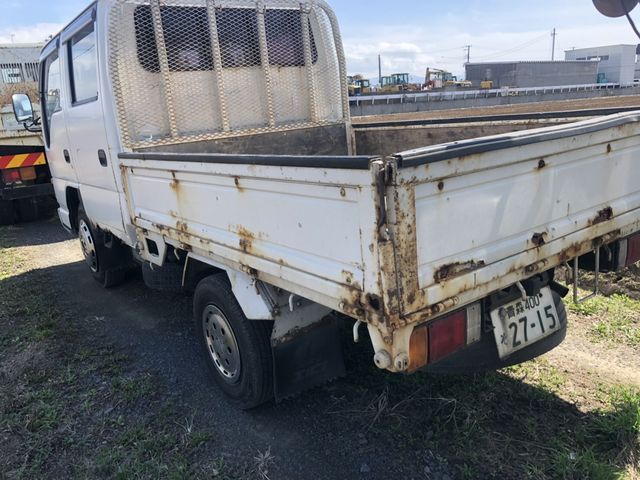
[(28, 173), (445, 336), (11, 176), (629, 251)]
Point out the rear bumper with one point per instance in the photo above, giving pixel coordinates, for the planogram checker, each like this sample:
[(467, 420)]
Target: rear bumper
[(483, 355), (28, 191)]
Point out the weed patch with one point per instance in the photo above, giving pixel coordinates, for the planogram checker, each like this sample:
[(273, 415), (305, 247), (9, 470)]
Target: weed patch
[(616, 318)]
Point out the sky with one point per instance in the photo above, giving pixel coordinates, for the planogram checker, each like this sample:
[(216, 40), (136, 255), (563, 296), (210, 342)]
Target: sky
[(410, 35)]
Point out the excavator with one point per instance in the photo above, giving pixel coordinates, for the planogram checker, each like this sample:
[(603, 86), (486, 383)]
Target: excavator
[(436, 78)]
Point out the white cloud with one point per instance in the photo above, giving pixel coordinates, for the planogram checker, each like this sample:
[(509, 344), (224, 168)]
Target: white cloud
[(29, 33)]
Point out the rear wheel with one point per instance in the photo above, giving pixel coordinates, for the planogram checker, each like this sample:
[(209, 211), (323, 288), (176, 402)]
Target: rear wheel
[(237, 350), (108, 266)]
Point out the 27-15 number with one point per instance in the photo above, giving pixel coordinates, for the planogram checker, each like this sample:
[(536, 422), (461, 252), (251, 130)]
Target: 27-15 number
[(513, 326)]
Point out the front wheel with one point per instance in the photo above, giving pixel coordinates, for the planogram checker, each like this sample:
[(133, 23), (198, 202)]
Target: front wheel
[(237, 350), (108, 265)]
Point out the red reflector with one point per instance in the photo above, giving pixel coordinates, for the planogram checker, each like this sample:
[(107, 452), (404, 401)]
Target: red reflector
[(11, 176), (447, 336), (633, 250)]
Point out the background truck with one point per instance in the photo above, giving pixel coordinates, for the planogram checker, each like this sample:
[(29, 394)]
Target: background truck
[(26, 192), (211, 142)]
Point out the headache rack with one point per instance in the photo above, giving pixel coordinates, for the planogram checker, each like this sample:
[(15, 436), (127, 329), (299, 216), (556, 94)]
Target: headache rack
[(200, 70)]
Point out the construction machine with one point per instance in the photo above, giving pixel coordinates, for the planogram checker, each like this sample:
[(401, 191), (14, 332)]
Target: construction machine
[(396, 83), (436, 78), (358, 85)]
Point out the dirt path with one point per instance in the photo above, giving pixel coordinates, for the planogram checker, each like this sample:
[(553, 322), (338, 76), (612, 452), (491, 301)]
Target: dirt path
[(610, 365)]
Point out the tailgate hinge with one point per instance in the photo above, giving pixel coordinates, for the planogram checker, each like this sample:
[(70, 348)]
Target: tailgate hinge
[(384, 179)]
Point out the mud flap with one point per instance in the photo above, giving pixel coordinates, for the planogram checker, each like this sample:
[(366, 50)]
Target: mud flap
[(307, 357)]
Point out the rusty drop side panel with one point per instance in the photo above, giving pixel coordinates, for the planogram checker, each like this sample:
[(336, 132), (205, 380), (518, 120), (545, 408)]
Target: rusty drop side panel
[(508, 207)]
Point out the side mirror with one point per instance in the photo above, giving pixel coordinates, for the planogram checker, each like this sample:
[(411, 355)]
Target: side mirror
[(615, 8), (22, 107)]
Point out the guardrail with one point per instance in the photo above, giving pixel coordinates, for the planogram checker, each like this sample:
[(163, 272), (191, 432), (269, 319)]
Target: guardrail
[(415, 97)]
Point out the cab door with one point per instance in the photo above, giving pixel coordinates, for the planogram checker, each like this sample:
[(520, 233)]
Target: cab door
[(56, 141), (86, 126)]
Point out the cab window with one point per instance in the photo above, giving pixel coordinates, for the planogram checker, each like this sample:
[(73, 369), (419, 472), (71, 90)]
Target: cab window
[(51, 81), (83, 66)]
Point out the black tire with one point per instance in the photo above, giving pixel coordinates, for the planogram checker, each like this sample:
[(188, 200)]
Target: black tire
[(28, 209), (33, 209), (109, 266), (7, 212), (252, 385)]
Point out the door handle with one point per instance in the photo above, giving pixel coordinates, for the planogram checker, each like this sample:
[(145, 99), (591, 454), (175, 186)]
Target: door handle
[(67, 157), (102, 157)]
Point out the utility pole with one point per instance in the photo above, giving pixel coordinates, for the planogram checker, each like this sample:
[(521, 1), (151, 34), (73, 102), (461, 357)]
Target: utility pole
[(553, 46), (468, 49), (379, 69)]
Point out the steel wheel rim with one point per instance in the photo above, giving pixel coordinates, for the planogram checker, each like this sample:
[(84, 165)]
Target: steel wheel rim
[(221, 344), (88, 246)]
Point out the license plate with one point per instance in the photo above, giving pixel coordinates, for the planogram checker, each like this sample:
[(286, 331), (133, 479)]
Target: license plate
[(524, 322)]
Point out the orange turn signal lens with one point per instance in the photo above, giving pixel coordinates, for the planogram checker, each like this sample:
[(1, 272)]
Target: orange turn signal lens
[(419, 348)]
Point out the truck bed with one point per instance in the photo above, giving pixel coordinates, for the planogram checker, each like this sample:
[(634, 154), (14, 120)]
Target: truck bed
[(400, 239)]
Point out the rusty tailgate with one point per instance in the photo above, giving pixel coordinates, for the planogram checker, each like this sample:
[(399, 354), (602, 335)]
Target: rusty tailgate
[(473, 217)]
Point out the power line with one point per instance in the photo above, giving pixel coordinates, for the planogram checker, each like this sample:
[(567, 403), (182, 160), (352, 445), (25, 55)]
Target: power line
[(514, 49)]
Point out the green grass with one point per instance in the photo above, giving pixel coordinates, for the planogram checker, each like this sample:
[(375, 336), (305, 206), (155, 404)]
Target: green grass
[(133, 388), (521, 422), (73, 409), (617, 319)]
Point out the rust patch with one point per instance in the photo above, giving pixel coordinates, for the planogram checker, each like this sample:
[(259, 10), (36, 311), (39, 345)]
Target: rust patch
[(186, 247), (236, 181), (246, 239), (174, 184), (539, 239), (451, 270), (182, 226), (609, 148), (603, 215), (441, 186), (541, 164), (374, 302), (343, 192)]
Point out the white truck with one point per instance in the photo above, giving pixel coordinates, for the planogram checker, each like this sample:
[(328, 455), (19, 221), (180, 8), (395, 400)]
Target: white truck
[(210, 141)]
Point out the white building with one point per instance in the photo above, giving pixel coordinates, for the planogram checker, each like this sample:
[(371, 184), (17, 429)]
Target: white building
[(19, 63), (617, 62)]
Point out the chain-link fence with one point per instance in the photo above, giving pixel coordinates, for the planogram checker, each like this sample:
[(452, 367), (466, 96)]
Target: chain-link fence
[(193, 70)]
